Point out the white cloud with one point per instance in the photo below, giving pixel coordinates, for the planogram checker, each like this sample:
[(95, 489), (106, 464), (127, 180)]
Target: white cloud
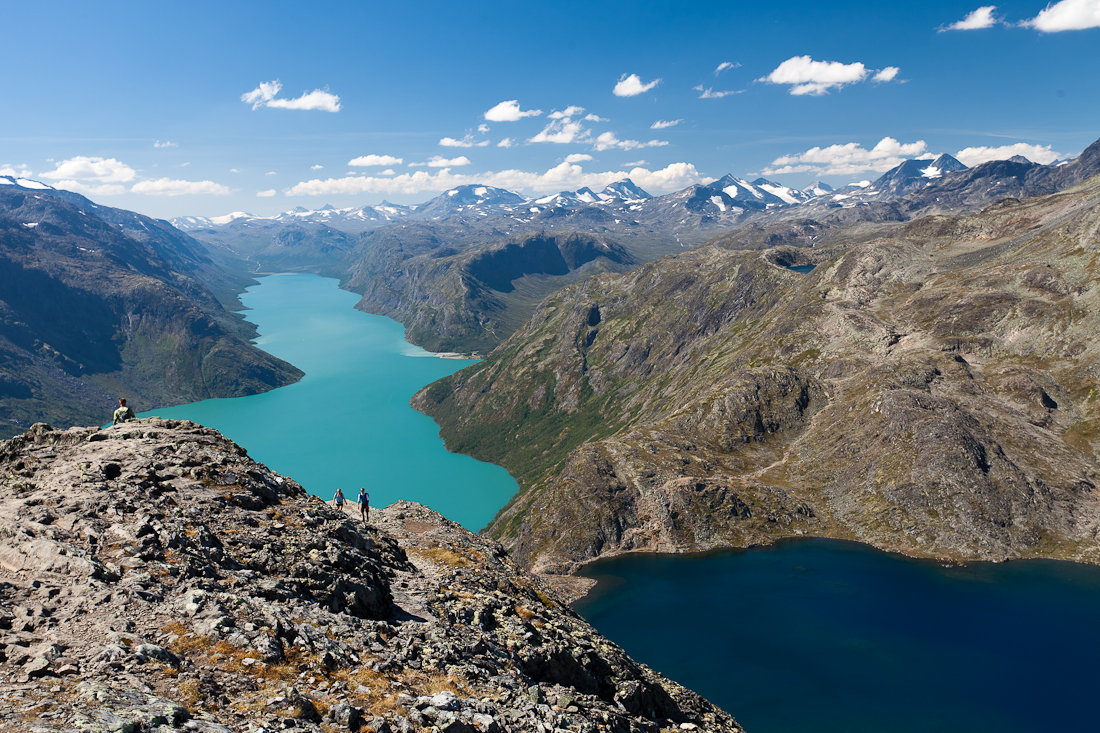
[(438, 161), (577, 158), (886, 74), (466, 142), (709, 93), (234, 170), (16, 171), (365, 161), (104, 170), (483, 128), (563, 176), (266, 194), (608, 141), (271, 173), (265, 96), (570, 111), (632, 86), (848, 159), (596, 118), (662, 124), (1067, 15), (506, 143), (167, 187), (387, 172), (807, 76), (1035, 153), (165, 144), (103, 189), (510, 112), (561, 131), (981, 18), (726, 65), (316, 167), (633, 163)]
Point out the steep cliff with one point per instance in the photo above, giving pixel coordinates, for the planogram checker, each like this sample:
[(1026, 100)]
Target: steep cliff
[(91, 309), (154, 578), (469, 296), (927, 390)]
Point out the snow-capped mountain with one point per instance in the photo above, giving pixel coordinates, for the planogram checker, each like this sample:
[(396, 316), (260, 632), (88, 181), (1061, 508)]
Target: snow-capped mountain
[(760, 194), (23, 183), (817, 188), (625, 190)]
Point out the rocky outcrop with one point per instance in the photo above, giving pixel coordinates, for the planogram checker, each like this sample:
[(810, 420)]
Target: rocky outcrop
[(154, 578), (91, 310), (928, 388)]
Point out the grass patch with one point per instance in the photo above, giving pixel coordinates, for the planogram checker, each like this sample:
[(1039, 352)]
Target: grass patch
[(443, 556)]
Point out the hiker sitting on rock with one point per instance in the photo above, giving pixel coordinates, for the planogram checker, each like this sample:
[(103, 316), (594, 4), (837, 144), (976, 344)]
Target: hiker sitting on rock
[(338, 500), (123, 413)]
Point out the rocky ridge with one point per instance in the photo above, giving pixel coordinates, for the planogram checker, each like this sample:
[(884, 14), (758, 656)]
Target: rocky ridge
[(154, 578)]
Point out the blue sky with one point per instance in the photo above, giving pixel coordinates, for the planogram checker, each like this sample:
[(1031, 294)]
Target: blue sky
[(210, 107)]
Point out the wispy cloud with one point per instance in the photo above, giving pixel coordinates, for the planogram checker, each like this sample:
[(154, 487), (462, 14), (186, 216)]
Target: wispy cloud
[(1067, 15), (16, 171), (265, 96), (596, 118), (632, 86), (633, 163), (165, 144), (168, 187), (563, 176), (266, 194), (848, 159), (466, 142), (577, 158), (806, 76), (317, 167), (91, 189), (887, 74), (506, 143), (561, 131), (570, 111), (608, 141), (365, 161), (726, 65), (662, 124), (981, 18), (509, 111), (483, 128), (1035, 153), (438, 161), (709, 93), (82, 168)]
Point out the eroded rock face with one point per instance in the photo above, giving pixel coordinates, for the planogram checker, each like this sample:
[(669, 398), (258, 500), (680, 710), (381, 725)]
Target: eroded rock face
[(153, 577), (930, 390)]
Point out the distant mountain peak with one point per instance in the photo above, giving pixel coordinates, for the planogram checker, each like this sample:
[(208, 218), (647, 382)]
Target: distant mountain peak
[(625, 189)]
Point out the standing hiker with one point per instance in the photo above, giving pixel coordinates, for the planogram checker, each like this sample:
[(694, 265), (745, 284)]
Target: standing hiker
[(123, 413), (338, 500), (364, 503)]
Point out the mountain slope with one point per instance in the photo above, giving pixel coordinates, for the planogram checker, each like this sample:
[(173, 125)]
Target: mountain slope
[(927, 391), (88, 313)]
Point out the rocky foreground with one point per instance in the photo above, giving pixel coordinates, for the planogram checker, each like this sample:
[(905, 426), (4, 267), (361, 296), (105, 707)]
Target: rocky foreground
[(154, 578)]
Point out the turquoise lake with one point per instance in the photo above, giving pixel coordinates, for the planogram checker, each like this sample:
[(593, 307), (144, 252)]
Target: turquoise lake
[(808, 636), (348, 423)]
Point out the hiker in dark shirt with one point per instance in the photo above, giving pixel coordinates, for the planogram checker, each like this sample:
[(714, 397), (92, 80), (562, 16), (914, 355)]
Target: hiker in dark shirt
[(123, 413), (364, 503)]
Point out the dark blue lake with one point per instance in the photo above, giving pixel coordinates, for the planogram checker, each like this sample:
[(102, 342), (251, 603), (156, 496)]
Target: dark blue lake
[(825, 636)]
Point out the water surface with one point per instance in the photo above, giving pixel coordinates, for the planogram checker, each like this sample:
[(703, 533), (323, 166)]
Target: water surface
[(824, 636), (348, 423)]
